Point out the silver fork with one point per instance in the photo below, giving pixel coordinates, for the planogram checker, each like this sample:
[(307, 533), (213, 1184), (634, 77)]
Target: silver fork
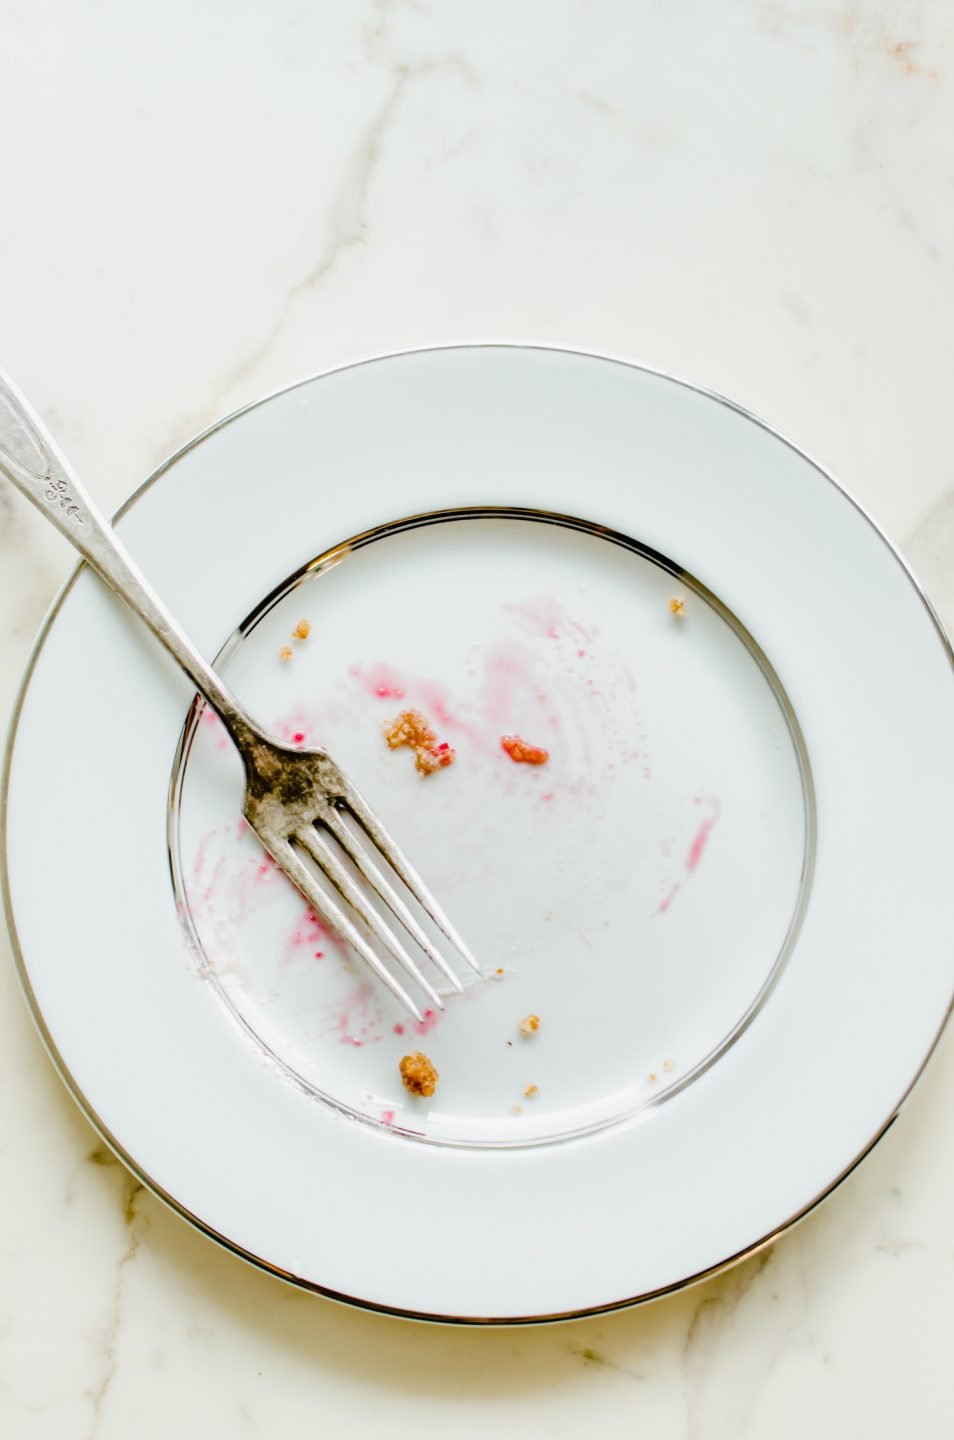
[(296, 801)]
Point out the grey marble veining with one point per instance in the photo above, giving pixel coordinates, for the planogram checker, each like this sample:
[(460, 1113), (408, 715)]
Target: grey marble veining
[(756, 195)]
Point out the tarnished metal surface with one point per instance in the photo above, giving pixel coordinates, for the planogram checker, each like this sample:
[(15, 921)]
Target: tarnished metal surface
[(296, 801)]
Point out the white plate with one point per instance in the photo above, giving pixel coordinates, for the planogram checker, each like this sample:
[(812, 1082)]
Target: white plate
[(725, 894)]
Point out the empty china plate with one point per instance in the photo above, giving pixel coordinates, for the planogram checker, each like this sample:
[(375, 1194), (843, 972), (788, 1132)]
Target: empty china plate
[(686, 724)]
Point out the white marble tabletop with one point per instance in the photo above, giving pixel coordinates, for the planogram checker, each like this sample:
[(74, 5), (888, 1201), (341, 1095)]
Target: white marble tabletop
[(202, 202)]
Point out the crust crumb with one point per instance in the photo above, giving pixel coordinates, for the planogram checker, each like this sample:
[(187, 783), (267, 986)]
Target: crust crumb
[(418, 1074), (411, 729)]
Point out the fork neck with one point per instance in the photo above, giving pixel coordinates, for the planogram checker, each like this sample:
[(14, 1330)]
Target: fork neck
[(245, 736)]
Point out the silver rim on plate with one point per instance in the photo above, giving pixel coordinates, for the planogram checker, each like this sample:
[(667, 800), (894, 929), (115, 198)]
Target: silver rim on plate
[(94, 1119)]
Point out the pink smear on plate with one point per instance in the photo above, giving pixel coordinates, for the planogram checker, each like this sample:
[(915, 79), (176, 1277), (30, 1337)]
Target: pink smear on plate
[(530, 680), (701, 839), (665, 903), (540, 615), (313, 935), (357, 1019), (382, 681), (211, 722), (266, 869), (544, 615), (697, 848), (436, 701)]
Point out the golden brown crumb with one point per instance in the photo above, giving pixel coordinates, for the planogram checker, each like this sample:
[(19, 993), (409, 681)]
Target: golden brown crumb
[(668, 1064), (285, 653), (302, 630), (529, 1024), (517, 1110), (499, 970), (418, 1074), (652, 1077), (531, 1090), (410, 728), (427, 761), (677, 606)]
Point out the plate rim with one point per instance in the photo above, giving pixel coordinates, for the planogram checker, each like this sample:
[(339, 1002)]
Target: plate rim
[(59, 1063)]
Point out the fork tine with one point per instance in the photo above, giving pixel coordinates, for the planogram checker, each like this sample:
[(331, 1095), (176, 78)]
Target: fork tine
[(323, 856), (359, 856), (376, 832), (299, 874)]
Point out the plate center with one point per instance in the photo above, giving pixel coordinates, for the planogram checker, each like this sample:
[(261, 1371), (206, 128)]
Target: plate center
[(638, 891)]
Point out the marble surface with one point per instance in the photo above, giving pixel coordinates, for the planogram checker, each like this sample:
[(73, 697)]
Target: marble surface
[(203, 202)]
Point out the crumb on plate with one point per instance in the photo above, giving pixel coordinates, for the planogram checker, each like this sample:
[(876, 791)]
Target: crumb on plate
[(678, 606), (530, 1091), (529, 1024), (652, 1077), (668, 1064), (418, 1074), (411, 729), (285, 653), (302, 630), (438, 758), (517, 1110), (521, 753)]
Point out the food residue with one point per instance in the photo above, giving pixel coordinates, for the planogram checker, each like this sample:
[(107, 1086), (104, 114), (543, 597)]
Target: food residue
[(531, 1090), (411, 729), (523, 754), (418, 1074), (285, 653), (668, 1064), (517, 1110), (529, 1024), (677, 606), (302, 630)]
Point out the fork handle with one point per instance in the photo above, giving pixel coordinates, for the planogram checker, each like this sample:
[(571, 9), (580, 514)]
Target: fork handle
[(31, 459)]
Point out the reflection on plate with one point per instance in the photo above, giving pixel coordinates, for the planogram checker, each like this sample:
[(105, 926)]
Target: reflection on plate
[(609, 890)]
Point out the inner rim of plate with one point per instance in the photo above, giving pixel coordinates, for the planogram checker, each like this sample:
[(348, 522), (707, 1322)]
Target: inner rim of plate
[(203, 864)]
